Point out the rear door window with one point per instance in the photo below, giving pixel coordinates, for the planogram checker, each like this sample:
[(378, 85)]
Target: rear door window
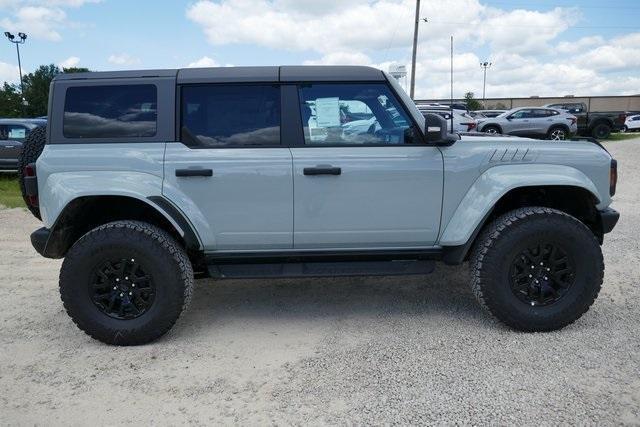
[(110, 111), (230, 115)]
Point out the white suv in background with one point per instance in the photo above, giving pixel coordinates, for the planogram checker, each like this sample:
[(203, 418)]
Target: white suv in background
[(632, 124)]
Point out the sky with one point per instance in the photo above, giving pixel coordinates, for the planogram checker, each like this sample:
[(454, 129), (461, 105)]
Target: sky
[(536, 47)]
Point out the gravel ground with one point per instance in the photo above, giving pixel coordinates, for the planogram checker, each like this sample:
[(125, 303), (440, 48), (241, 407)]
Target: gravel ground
[(342, 351)]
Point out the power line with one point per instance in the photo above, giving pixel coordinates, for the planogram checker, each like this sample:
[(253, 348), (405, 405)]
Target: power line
[(541, 26), (567, 5)]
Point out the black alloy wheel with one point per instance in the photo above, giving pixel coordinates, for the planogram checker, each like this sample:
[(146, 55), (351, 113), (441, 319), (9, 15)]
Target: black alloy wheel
[(542, 275), (121, 289)]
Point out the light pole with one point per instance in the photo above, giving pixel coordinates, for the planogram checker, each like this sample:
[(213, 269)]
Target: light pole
[(22, 37), (415, 48), (484, 65)]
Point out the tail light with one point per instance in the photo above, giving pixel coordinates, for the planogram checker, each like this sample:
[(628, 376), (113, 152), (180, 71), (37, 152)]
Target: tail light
[(31, 184), (573, 120), (470, 126), (613, 177), (622, 118)]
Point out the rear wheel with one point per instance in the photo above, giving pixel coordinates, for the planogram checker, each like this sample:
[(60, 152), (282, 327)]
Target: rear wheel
[(126, 282), (625, 128), (601, 131), (494, 130), (557, 133), (537, 269)]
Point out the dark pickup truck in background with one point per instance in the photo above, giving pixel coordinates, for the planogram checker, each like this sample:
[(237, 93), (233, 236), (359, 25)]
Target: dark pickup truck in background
[(596, 124)]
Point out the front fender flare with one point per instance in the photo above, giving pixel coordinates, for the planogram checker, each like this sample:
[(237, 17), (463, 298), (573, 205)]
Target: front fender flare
[(495, 183)]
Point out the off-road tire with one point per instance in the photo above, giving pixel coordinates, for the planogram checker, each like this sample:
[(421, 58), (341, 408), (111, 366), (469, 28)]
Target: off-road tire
[(550, 133), (163, 259), (496, 128), (601, 131), (499, 244), (31, 149)]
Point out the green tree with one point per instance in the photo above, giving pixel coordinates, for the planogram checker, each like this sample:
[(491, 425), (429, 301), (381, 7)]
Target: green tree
[(36, 92), (10, 101), (36, 89), (472, 103)]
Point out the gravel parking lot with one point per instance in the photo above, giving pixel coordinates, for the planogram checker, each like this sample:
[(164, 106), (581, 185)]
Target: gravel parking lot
[(342, 351)]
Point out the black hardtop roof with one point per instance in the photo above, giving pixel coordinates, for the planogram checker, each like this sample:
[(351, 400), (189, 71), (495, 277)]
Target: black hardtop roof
[(287, 73)]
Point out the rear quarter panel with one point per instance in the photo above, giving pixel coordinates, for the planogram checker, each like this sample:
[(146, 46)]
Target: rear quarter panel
[(69, 171)]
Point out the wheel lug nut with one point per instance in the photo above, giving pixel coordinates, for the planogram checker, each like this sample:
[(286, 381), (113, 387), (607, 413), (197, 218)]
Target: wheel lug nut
[(130, 293), (126, 278), (542, 263), (532, 266), (115, 287), (529, 276), (548, 269), (546, 278), (133, 285), (133, 260), (117, 280), (121, 294)]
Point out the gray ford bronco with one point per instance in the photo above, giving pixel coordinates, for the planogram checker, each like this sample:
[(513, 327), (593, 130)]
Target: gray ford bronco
[(147, 179)]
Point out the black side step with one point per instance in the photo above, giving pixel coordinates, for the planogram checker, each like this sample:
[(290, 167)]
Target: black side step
[(321, 269)]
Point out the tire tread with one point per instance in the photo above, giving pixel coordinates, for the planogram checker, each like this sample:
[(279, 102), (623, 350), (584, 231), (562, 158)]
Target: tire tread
[(96, 237), (480, 261)]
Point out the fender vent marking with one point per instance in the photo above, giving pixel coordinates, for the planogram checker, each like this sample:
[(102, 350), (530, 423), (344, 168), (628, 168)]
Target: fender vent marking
[(511, 155)]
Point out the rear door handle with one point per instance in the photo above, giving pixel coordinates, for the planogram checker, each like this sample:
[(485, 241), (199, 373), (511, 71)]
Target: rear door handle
[(323, 170), (194, 172)]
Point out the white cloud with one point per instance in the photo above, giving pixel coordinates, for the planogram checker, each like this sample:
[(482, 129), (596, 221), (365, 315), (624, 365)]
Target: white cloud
[(123, 59), (341, 58), (522, 43), (70, 62), (621, 53), (205, 61), (524, 31), (40, 19), (571, 47), (39, 22), (9, 73)]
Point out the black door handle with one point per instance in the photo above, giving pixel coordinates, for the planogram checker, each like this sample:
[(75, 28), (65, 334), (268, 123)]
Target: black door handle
[(323, 170), (194, 172)]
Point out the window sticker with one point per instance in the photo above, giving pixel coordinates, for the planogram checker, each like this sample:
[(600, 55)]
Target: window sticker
[(328, 112)]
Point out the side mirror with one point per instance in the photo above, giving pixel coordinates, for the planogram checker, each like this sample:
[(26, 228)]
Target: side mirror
[(436, 130), (509, 118)]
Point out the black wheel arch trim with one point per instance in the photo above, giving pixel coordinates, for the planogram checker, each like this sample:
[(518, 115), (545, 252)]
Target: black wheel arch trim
[(54, 242), (190, 236), (454, 255)]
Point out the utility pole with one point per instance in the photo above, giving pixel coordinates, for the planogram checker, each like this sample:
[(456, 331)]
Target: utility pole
[(484, 65), (22, 37), (415, 48)]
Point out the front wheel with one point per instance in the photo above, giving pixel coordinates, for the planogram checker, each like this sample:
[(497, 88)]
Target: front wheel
[(537, 269), (493, 130), (126, 282)]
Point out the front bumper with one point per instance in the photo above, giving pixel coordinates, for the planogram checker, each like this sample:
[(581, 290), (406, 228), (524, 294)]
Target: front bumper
[(608, 219)]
